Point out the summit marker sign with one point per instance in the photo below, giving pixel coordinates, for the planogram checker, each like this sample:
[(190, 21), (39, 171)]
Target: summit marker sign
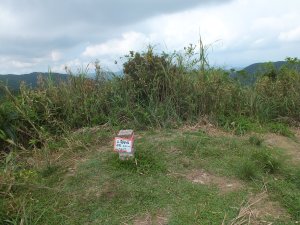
[(124, 144)]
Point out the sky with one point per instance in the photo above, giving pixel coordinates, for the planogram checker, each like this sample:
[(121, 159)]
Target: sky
[(43, 35)]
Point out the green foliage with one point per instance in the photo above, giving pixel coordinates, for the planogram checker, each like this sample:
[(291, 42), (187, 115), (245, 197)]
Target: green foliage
[(259, 161), (8, 118), (157, 90), (247, 169), (278, 96), (150, 75), (289, 194), (148, 160), (239, 124), (48, 170), (268, 162), (280, 128), (255, 140)]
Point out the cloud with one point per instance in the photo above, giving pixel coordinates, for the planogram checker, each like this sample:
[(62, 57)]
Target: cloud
[(121, 46), (56, 55), (292, 35), (31, 28), (12, 65), (37, 34), (104, 13), (239, 36)]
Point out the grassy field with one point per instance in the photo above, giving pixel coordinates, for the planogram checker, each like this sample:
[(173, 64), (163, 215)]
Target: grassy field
[(191, 175)]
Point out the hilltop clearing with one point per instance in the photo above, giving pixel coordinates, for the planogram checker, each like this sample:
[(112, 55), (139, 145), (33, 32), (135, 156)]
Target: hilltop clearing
[(193, 175)]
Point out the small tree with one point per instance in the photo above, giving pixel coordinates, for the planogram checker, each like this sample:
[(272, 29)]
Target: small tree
[(150, 74)]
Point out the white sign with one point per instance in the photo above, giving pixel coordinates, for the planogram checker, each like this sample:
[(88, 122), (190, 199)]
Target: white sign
[(123, 145)]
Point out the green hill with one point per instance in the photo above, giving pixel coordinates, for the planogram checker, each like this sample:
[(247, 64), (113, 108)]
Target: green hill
[(260, 67), (13, 81), (250, 74)]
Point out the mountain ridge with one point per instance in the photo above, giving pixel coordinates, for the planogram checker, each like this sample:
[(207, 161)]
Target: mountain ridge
[(247, 75), (31, 79)]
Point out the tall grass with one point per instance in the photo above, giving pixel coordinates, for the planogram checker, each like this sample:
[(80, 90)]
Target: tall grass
[(278, 96), (157, 90)]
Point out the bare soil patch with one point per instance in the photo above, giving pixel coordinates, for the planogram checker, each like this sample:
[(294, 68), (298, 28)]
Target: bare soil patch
[(208, 129), (73, 165), (291, 147), (297, 133), (225, 184), (160, 218), (258, 209)]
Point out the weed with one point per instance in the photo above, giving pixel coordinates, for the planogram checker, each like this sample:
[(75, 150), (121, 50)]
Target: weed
[(148, 160), (247, 169), (49, 170), (255, 140), (267, 161), (280, 128), (288, 194)]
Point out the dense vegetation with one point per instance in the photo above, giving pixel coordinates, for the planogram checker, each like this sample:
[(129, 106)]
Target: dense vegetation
[(157, 90)]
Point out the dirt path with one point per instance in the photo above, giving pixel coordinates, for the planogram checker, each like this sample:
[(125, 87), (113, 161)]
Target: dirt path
[(291, 146)]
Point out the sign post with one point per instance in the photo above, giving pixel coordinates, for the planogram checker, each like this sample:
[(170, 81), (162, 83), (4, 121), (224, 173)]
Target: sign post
[(124, 144)]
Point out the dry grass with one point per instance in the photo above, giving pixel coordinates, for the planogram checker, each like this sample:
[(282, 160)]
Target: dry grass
[(246, 215), (259, 209), (160, 218), (289, 145)]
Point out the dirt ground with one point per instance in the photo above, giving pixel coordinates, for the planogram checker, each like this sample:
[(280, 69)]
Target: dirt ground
[(291, 146)]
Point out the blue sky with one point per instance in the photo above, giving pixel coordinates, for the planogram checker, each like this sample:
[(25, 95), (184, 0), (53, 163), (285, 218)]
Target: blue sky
[(36, 35)]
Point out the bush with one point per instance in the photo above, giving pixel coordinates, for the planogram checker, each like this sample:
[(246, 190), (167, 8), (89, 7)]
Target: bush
[(278, 93)]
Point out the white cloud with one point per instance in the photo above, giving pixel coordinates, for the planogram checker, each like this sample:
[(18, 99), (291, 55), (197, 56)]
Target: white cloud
[(9, 65), (292, 35), (128, 41), (259, 42), (20, 64), (56, 55), (248, 30)]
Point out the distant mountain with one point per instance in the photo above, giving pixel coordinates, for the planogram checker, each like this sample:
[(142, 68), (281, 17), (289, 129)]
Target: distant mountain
[(249, 74), (260, 67), (13, 81)]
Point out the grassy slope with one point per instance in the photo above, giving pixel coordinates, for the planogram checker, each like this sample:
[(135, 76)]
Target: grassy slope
[(79, 180)]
